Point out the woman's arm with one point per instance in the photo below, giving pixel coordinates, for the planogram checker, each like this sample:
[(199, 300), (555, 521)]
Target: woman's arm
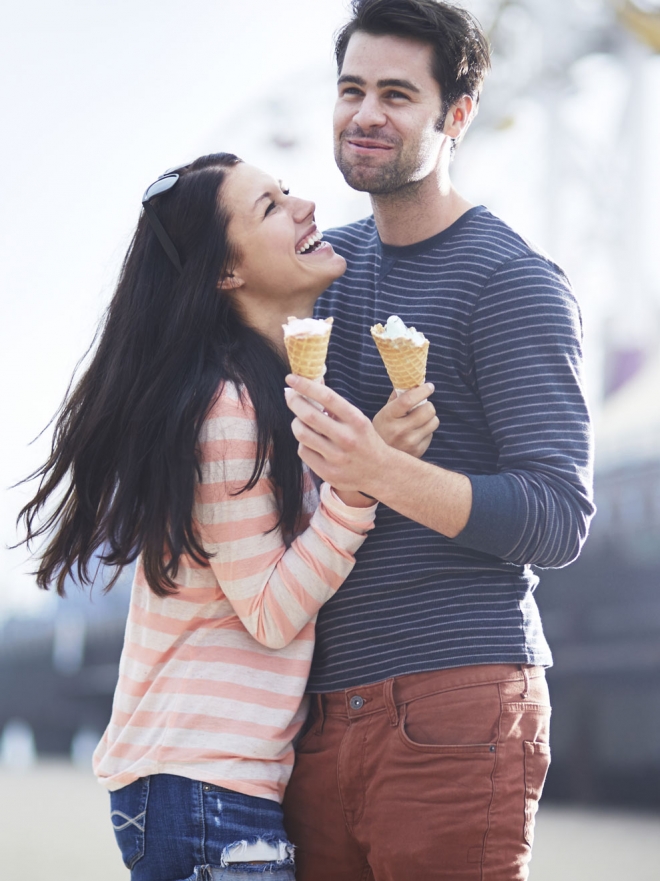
[(275, 590)]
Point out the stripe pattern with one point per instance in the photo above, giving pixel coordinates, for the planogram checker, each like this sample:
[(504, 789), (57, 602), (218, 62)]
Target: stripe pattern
[(505, 358), (212, 678)]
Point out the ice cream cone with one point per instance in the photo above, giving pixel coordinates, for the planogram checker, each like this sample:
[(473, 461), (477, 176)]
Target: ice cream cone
[(404, 356), (307, 346)]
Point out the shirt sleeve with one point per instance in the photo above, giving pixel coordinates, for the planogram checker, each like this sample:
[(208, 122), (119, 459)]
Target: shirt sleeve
[(275, 589), (527, 362)]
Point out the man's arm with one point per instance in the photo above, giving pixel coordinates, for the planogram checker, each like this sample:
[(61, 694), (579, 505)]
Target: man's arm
[(525, 364), (342, 446)]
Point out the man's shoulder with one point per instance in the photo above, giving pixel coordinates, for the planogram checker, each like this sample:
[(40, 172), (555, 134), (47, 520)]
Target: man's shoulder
[(506, 245)]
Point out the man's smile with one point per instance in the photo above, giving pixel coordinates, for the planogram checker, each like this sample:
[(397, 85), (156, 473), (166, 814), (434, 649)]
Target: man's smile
[(367, 145)]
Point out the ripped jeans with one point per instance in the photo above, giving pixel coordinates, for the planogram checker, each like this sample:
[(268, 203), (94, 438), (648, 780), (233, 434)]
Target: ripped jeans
[(170, 828)]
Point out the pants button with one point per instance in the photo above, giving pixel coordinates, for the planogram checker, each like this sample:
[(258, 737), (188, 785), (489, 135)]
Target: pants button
[(356, 702)]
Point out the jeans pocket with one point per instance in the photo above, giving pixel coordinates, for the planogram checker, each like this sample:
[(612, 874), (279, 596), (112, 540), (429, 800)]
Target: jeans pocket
[(128, 814), (537, 762)]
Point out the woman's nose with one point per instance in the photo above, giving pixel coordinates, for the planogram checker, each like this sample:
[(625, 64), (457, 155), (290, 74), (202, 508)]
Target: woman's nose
[(303, 209)]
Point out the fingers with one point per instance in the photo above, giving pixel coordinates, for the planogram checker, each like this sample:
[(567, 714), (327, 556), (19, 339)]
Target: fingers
[(419, 416), (329, 400), (411, 398)]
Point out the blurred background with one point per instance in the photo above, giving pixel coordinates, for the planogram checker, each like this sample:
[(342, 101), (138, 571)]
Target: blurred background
[(98, 99)]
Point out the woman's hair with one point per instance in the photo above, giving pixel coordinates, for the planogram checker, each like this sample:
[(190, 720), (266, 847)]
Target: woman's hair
[(461, 55), (124, 456)]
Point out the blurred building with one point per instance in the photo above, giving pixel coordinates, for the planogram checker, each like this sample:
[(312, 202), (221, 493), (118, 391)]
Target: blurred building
[(58, 670), (602, 617)]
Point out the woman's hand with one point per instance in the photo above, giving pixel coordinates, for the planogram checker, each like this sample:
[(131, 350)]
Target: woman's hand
[(407, 423)]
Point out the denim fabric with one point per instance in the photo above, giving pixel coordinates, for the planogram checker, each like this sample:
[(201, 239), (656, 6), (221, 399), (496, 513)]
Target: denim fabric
[(170, 828)]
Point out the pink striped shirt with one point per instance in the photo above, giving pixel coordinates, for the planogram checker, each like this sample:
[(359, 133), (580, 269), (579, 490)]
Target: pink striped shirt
[(211, 679)]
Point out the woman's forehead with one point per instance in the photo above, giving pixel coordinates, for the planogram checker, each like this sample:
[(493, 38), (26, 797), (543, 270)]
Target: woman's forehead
[(249, 182)]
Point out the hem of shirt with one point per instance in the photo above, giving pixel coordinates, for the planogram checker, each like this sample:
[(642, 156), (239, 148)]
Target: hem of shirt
[(541, 659), (112, 784)]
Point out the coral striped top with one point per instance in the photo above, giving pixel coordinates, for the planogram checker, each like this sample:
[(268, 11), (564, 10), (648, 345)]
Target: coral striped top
[(212, 678)]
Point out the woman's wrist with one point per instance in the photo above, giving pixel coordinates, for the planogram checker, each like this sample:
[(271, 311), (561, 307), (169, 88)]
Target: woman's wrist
[(354, 498)]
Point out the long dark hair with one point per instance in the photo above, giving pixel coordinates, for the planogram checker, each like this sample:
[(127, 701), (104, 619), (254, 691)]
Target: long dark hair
[(124, 460)]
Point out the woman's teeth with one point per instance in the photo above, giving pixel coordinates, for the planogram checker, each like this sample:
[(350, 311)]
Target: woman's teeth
[(309, 243)]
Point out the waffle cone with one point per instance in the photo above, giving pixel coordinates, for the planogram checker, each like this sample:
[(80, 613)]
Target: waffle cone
[(307, 352), (404, 361)]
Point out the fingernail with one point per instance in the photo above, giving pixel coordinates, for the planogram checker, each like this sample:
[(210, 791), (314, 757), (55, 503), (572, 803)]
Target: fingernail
[(287, 392)]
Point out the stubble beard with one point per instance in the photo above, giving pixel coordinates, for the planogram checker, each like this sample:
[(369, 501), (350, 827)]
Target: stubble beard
[(381, 180)]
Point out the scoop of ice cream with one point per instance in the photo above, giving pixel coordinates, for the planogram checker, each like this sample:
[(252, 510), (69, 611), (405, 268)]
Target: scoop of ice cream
[(306, 327), (395, 329)]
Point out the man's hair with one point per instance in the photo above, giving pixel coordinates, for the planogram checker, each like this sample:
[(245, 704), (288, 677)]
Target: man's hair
[(461, 55)]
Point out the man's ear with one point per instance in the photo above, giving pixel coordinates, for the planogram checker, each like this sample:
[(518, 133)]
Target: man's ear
[(230, 282), (459, 116)]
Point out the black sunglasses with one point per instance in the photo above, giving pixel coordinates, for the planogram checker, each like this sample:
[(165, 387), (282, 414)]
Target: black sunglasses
[(164, 183)]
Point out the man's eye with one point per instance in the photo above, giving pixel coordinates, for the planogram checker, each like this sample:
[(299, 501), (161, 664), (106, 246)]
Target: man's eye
[(397, 95), (351, 91)]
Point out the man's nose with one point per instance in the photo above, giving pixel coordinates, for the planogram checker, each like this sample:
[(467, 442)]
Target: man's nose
[(370, 113)]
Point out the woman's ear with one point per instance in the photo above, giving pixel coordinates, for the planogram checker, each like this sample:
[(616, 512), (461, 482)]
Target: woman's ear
[(230, 282)]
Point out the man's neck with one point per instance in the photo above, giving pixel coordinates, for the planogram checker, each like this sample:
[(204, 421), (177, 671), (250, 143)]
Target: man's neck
[(417, 212)]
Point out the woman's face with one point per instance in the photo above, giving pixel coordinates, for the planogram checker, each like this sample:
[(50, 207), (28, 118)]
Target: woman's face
[(280, 252)]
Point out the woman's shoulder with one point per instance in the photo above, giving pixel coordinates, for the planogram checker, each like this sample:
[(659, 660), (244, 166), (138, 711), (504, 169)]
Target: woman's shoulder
[(231, 413)]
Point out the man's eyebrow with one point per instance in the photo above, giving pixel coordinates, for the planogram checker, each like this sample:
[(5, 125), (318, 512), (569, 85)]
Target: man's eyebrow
[(397, 84), (348, 78), (382, 84)]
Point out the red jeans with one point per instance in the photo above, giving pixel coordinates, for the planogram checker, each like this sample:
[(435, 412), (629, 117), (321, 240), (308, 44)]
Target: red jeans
[(427, 776)]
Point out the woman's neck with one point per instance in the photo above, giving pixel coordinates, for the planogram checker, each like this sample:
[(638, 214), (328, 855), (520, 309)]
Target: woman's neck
[(268, 317)]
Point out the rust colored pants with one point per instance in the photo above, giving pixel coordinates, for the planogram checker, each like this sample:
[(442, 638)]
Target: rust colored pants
[(427, 776)]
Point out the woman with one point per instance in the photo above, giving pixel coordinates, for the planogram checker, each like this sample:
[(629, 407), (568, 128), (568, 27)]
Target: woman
[(176, 449)]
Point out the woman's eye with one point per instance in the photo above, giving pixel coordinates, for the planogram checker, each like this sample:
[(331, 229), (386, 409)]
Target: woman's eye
[(271, 206)]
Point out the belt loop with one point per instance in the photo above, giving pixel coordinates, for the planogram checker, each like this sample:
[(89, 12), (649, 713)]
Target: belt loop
[(525, 691), (390, 703), (320, 711)]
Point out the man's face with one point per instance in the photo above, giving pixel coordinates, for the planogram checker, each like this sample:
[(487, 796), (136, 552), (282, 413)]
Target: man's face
[(387, 114)]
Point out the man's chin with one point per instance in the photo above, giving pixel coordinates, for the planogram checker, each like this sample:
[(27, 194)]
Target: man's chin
[(367, 180)]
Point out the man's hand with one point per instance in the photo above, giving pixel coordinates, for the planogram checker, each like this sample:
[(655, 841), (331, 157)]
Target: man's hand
[(407, 423), (342, 446), (339, 444)]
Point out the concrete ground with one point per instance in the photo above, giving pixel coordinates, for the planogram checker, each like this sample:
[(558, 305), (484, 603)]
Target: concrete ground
[(54, 827)]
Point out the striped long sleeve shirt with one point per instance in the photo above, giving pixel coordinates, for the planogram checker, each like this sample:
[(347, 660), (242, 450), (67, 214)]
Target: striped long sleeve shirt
[(212, 678), (505, 358)]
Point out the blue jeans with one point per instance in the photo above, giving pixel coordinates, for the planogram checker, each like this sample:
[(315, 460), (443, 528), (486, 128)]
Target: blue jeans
[(170, 828)]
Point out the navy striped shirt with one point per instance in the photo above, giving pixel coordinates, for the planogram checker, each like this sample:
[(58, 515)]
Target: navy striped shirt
[(505, 358)]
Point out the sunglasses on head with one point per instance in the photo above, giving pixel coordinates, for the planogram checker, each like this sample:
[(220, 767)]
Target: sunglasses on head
[(164, 183)]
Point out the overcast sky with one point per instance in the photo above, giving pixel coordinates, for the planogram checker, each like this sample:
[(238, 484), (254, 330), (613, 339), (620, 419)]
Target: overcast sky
[(100, 96)]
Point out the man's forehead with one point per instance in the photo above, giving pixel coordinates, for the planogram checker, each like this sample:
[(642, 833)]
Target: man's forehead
[(375, 57)]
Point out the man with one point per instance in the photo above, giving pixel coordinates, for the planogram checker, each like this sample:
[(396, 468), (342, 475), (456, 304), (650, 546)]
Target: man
[(427, 747)]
